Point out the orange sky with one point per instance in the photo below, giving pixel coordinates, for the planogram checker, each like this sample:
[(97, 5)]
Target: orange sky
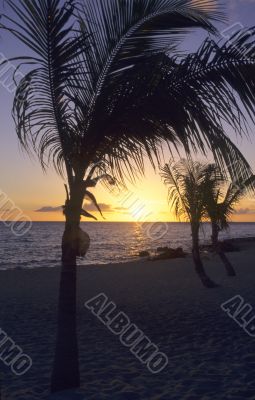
[(145, 201)]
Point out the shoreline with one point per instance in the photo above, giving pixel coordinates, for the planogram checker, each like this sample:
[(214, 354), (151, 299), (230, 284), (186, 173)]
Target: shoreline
[(240, 241)]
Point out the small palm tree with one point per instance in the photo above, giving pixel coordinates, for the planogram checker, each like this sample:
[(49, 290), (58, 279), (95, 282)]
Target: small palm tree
[(220, 207), (186, 182)]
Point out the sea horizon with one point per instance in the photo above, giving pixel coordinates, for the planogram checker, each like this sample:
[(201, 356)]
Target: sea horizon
[(111, 242)]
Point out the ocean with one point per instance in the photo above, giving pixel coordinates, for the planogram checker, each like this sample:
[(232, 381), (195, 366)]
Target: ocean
[(111, 242)]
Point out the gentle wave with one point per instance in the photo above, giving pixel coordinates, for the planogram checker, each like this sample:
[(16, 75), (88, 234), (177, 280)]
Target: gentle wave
[(111, 242)]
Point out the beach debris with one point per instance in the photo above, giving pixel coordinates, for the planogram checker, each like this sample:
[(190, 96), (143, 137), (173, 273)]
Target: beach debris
[(163, 253), (166, 253), (144, 253), (162, 249)]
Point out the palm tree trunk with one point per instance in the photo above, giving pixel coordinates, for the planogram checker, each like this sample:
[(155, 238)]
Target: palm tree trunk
[(199, 267), (66, 373), (217, 248)]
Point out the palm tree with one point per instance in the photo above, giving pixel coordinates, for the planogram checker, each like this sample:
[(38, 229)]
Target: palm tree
[(220, 207), (96, 72), (186, 182)]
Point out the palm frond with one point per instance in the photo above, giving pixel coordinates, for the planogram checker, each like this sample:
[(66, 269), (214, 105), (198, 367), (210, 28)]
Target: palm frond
[(222, 76), (203, 93), (219, 206), (119, 35), (42, 112), (186, 180), (196, 101), (93, 201), (237, 190), (99, 71), (86, 214)]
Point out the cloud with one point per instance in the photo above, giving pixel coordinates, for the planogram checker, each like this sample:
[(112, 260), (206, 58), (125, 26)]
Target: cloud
[(87, 206), (244, 211), (103, 206), (120, 209), (49, 209)]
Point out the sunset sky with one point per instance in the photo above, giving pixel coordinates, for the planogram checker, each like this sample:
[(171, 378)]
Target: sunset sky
[(40, 194)]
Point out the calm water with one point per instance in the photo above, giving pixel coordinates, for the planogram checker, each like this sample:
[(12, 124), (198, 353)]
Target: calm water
[(110, 241)]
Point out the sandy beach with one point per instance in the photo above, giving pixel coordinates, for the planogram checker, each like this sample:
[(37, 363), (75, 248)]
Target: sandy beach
[(210, 356)]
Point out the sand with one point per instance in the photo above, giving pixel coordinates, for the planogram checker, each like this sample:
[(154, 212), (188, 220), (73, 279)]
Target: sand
[(210, 356)]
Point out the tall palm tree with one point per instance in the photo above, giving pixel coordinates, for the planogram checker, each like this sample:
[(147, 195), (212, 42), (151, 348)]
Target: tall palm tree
[(186, 182), (220, 207), (97, 71)]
